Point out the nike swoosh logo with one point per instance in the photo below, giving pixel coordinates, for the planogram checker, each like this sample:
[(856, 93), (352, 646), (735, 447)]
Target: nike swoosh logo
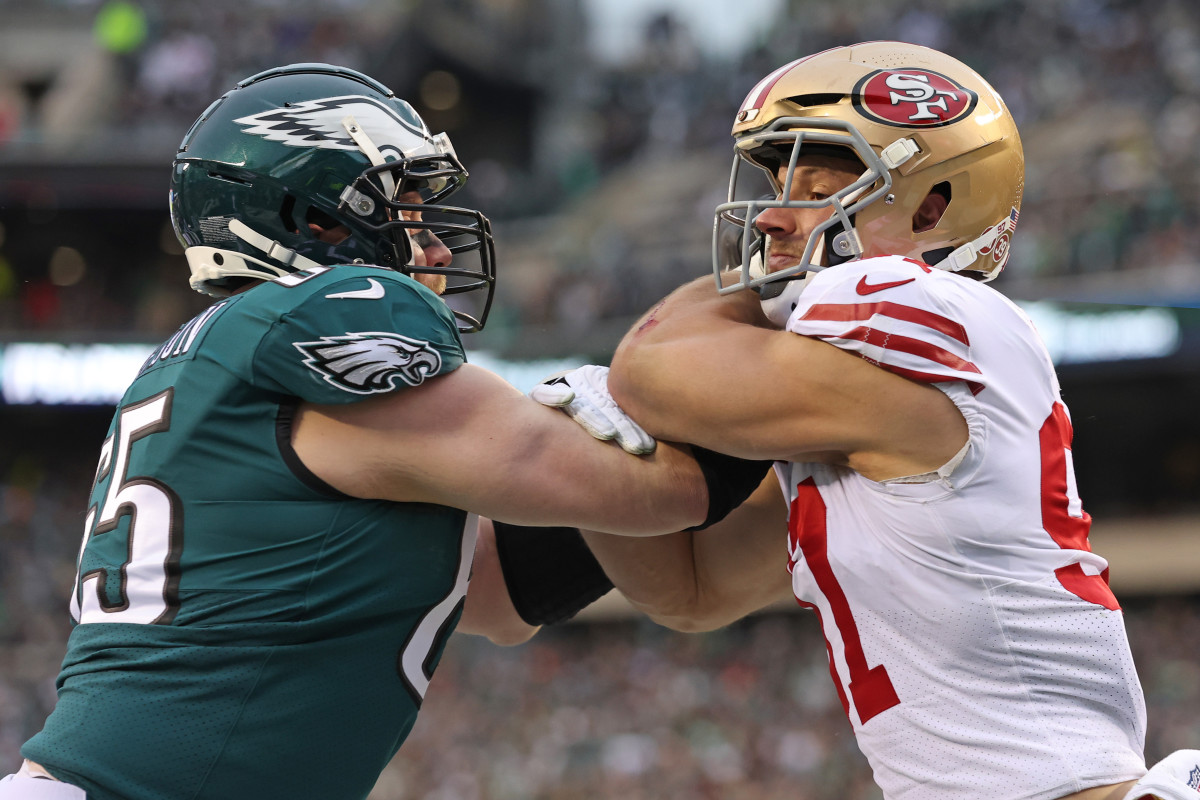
[(372, 292), (871, 288)]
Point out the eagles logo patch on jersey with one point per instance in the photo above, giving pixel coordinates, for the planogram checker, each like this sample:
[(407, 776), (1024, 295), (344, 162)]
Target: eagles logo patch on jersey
[(370, 363)]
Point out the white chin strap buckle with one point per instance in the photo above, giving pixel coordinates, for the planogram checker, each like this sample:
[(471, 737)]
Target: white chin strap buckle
[(898, 152)]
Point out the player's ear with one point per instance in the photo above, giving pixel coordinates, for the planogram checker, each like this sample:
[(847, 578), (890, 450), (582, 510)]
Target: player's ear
[(335, 235), (929, 212)]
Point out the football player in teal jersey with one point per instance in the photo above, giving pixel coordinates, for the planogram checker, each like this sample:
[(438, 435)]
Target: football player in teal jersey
[(283, 522)]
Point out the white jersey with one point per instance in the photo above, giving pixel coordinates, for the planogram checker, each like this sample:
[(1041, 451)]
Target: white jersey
[(972, 636)]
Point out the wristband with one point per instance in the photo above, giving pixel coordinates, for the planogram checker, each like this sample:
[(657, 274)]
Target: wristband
[(730, 481)]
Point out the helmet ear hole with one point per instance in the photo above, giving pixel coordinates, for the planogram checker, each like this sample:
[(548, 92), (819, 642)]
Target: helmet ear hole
[(315, 216), (285, 213), (932, 208)]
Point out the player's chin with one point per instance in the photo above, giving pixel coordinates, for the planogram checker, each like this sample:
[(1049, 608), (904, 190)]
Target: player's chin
[(436, 283)]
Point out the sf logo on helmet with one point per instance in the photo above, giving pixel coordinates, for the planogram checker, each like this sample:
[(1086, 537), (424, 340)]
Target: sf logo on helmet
[(912, 98)]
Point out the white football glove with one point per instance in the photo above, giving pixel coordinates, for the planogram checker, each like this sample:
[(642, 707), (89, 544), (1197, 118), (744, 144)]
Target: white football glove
[(583, 394)]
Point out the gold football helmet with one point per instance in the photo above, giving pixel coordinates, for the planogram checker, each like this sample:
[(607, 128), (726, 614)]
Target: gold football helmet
[(918, 121)]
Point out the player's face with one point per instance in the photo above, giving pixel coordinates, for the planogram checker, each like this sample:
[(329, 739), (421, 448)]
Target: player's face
[(788, 229), (428, 250)]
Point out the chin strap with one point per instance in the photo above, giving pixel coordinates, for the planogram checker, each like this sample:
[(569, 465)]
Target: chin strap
[(360, 203), (780, 298), (965, 256), (206, 273), (360, 137), (290, 259), (210, 264)]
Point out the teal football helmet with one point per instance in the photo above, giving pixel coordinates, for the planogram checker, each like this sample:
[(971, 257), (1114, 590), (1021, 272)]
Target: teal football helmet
[(319, 145)]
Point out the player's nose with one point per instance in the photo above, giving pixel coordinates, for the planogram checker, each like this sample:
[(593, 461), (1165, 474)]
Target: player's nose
[(776, 222), (437, 254)]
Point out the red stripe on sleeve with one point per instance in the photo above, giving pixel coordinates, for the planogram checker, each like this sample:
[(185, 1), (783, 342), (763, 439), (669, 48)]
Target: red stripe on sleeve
[(849, 312), (928, 377), (906, 344)]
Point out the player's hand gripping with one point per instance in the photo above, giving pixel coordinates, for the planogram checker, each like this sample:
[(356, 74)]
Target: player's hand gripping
[(583, 394)]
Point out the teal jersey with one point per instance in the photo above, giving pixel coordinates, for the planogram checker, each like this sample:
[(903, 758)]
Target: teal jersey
[(245, 630)]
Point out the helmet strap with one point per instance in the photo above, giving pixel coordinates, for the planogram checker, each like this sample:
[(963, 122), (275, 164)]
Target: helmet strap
[(964, 256), (780, 298), (291, 260), (372, 153), (369, 149)]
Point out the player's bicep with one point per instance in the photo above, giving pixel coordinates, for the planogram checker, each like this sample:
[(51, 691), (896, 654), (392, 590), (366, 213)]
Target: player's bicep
[(742, 390)]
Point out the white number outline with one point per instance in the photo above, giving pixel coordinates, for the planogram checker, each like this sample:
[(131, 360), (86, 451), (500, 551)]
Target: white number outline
[(148, 587), (413, 663)]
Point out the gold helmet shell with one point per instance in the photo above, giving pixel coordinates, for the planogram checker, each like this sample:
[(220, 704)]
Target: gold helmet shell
[(919, 121)]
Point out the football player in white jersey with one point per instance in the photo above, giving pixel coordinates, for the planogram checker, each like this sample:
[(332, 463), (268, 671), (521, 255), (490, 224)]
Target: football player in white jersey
[(928, 511)]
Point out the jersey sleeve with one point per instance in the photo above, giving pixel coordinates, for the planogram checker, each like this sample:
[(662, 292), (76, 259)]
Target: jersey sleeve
[(898, 314), (357, 334)]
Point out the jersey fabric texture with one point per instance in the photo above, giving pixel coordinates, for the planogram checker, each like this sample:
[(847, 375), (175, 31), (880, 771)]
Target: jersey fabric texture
[(972, 636), (244, 629)]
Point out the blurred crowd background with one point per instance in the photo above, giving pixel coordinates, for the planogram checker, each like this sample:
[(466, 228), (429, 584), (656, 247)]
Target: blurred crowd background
[(600, 164), (597, 136)]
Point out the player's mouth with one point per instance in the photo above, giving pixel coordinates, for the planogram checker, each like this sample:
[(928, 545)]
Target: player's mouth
[(781, 261)]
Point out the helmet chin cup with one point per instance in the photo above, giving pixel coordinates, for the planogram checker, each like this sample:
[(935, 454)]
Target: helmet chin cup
[(780, 298)]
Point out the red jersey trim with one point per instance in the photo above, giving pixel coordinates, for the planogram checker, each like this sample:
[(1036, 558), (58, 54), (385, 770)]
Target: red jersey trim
[(906, 344), (850, 312)]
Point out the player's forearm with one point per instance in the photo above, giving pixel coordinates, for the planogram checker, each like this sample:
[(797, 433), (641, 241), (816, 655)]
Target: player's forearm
[(673, 581), (656, 574), (696, 581), (692, 309), (543, 469), (469, 440), (597, 485), (489, 610)]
